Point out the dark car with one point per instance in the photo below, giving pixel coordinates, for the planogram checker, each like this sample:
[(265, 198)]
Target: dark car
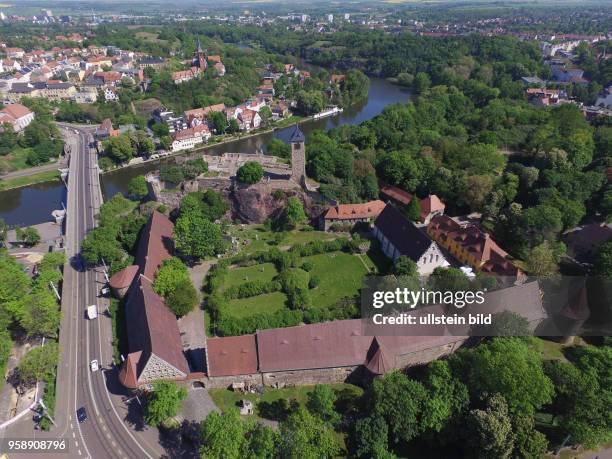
[(81, 414)]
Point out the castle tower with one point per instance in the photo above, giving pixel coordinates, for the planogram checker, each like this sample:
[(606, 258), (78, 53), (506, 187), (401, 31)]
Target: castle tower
[(298, 156)]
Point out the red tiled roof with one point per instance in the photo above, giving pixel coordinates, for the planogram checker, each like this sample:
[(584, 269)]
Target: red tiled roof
[(155, 244), (16, 110), (214, 58), (196, 131), (353, 211), (152, 328), (476, 242), (431, 204), (324, 345), (397, 194), (123, 278), (232, 355)]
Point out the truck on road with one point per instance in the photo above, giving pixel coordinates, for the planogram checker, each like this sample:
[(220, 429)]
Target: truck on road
[(92, 312)]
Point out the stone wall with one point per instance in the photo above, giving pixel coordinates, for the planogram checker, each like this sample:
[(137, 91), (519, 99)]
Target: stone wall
[(310, 377), (428, 355), (224, 382)]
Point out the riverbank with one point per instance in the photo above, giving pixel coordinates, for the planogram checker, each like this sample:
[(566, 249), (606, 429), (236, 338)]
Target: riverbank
[(27, 180)]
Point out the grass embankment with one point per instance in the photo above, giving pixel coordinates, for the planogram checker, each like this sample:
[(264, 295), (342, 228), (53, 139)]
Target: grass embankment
[(117, 313), (19, 182)]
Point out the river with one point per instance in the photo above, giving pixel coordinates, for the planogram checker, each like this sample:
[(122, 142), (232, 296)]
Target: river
[(33, 204)]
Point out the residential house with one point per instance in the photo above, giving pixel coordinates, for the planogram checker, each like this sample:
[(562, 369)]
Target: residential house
[(398, 236), (469, 244), (430, 205), (154, 62), (564, 75), (185, 75), (583, 242), (55, 90), (280, 110), (198, 115), (545, 97), (350, 214), (337, 79), (189, 138), (250, 119), (106, 130), (110, 94), (14, 53), (16, 115), (86, 96)]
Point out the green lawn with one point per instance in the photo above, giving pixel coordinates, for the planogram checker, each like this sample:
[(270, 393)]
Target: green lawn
[(341, 275), (264, 404), (18, 182), (262, 272), (255, 238), (549, 350), (266, 303)]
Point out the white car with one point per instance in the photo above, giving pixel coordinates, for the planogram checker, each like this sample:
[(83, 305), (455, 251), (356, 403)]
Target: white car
[(94, 365)]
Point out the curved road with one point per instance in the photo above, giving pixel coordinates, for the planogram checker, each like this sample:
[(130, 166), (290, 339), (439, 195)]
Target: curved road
[(107, 433)]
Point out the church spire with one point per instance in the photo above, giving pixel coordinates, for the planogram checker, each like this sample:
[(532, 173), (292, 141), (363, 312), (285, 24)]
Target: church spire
[(199, 46)]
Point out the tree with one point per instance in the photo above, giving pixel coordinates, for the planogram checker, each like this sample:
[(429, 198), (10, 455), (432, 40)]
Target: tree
[(120, 148), (183, 299), (528, 442), (447, 396), (400, 402), (3, 232), (30, 236), (371, 437), (164, 402), (505, 323), (197, 237), (138, 188), (541, 261), (223, 436), (304, 436), (583, 397), (38, 363), (413, 209), (321, 403), (218, 120), (509, 367), (294, 213), (160, 129), (488, 432), (266, 115), (421, 82), (194, 167), (262, 442), (250, 172), (603, 265), (405, 266), (102, 244), (40, 314), (171, 272), (165, 142), (276, 147)]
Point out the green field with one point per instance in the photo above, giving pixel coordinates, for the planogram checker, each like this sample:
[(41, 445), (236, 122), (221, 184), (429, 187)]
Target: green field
[(255, 238), (266, 303), (263, 272), (341, 275)]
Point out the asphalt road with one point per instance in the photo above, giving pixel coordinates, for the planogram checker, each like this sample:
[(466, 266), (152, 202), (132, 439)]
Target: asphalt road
[(112, 429)]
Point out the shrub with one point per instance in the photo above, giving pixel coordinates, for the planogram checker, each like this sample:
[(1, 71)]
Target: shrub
[(250, 172), (307, 266), (314, 282)]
